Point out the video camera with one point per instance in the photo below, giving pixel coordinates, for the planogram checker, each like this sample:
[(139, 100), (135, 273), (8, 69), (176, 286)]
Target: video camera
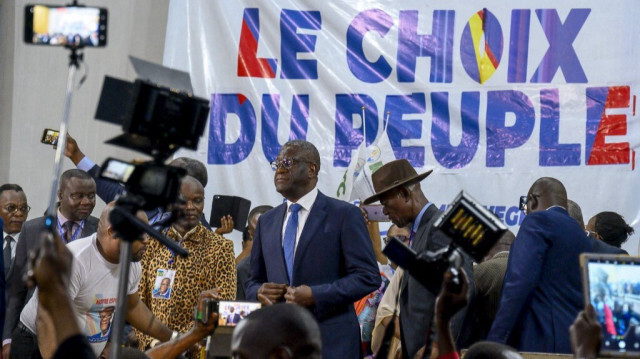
[(472, 229), (158, 115)]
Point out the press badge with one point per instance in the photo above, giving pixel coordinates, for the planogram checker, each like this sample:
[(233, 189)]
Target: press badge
[(164, 284)]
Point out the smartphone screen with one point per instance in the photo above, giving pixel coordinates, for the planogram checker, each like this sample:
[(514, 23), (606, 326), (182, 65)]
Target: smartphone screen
[(374, 213), (612, 286), (49, 137), (231, 312), (65, 25), (117, 170)]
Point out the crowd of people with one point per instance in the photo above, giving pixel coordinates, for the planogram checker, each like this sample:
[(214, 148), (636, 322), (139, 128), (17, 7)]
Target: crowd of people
[(315, 264)]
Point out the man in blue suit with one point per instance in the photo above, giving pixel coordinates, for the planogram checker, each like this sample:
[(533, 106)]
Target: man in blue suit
[(313, 251), (542, 291)]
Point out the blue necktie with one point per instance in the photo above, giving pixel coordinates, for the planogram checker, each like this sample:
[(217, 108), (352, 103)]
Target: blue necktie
[(289, 243)]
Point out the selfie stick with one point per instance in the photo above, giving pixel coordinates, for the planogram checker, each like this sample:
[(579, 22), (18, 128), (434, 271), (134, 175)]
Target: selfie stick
[(74, 62)]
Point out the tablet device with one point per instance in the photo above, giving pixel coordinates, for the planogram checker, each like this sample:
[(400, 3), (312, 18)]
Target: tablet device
[(236, 207), (611, 283)]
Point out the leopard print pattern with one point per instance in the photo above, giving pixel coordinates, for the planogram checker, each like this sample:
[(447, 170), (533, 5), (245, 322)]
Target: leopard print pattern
[(210, 264)]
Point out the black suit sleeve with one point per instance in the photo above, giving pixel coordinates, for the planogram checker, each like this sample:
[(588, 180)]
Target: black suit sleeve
[(2, 285), (105, 189), (16, 289)]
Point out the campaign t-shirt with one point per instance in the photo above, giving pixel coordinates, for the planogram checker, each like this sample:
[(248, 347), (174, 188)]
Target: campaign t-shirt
[(93, 288)]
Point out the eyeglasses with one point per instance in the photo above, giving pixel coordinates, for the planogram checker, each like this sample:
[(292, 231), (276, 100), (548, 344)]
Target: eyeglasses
[(12, 208), (285, 162), (403, 239), (523, 201)]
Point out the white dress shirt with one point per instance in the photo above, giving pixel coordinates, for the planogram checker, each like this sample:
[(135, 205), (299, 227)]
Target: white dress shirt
[(14, 243), (306, 202)]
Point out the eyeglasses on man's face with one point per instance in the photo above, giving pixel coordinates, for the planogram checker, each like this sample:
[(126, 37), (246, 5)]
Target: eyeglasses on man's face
[(285, 162), (403, 239), (12, 209)]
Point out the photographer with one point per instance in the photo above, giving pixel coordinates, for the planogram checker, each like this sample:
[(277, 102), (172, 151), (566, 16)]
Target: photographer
[(450, 301), (397, 186)]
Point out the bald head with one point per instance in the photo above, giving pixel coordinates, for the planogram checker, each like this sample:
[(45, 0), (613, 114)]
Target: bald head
[(544, 193), (105, 222), (277, 331)]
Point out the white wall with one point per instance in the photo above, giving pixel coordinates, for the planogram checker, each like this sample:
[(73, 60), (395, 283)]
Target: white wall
[(34, 80)]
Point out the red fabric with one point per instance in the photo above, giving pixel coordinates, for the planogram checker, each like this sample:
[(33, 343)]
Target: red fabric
[(608, 320), (452, 355), (362, 303)]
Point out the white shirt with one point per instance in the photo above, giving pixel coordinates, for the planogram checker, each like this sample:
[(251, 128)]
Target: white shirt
[(93, 287), (14, 243), (306, 202)]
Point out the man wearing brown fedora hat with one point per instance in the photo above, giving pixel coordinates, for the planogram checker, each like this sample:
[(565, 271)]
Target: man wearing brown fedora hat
[(313, 251), (397, 186)]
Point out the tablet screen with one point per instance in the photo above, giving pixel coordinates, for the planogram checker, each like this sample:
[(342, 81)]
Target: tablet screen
[(614, 292)]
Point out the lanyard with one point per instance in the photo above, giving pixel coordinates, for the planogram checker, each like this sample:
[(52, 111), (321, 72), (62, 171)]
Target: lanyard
[(173, 254), (75, 234)]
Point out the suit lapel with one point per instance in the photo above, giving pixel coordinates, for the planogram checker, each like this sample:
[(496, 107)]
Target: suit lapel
[(311, 227), (87, 228), (420, 238), (273, 245)]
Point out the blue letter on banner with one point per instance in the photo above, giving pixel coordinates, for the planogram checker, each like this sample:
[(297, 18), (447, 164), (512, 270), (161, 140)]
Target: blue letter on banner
[(347, 137), (293, 43), (399, 129), (501, 137), (270, 118), (219, 151)]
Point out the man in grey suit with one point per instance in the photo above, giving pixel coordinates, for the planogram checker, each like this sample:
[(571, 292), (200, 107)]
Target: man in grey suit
[(73, 220), (397, 187)]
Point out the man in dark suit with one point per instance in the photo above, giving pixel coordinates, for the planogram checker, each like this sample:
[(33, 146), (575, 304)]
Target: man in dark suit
[(232, 318), (313, 251), (73, 220), (397, 186), (14, 211), (542, 291)]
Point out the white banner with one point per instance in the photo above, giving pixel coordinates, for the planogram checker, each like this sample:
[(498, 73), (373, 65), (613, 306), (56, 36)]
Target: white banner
[(492, 94)]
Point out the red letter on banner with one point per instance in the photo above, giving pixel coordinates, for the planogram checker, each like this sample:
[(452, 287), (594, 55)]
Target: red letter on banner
[(249, 65), (603, 153)]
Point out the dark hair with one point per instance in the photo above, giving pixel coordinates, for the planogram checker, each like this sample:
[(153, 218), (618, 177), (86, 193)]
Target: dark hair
[(245, 234), (254, 212), (10, 187), (491, 350), (575, 212), (73, 173), (309, 151), (259, 210), (612, 228), (194, 168), (197, 170)]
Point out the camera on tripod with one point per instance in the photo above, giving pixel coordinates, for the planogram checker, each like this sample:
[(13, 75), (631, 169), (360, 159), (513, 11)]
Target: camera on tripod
[(473, 230), (158, 115)]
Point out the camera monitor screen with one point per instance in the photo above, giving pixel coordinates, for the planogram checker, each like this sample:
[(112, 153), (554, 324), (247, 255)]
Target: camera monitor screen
[(612, 286), (231, 312), (65, 25), (117, 170)]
